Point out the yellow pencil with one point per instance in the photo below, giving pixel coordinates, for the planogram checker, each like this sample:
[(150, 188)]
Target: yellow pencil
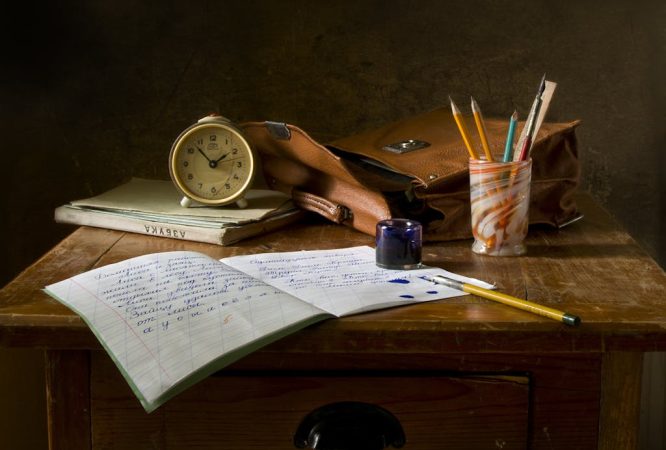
[(463, 130), (508, 300), (481, 126)]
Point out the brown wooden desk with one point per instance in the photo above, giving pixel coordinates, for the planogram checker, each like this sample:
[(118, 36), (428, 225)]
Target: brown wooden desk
[(459, 373)]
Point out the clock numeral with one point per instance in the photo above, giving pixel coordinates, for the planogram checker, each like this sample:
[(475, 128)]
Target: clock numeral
[(200, 141), (234, 151), (236, 177), (200, 185), (239, 164), (213, 190), (190, 150), (213, 137), (186, 163), (190, 176), (227, 186)]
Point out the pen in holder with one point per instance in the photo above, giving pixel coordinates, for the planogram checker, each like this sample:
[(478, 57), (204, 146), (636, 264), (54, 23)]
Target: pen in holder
[(398, 244)]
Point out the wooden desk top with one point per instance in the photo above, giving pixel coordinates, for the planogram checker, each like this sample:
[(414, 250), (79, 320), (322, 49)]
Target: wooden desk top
[(592, 269)]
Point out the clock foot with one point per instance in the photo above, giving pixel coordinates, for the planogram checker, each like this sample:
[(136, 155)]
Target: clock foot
[(241, 203), (185, 202)]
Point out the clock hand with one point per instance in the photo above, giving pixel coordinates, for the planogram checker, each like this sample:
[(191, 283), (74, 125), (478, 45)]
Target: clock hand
[(221, 157), (204, 155)]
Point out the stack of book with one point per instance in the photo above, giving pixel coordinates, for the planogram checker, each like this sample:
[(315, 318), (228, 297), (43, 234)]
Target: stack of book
[(152, 207)]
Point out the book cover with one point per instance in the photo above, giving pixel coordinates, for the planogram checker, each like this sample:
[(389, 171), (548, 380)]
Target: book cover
[(219, 235)]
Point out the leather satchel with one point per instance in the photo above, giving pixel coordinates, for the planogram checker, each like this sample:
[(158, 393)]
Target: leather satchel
[(415, 168)]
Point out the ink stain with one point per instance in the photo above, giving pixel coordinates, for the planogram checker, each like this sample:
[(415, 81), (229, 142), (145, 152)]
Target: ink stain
[(406, 296), (399, 281), (432, 292)]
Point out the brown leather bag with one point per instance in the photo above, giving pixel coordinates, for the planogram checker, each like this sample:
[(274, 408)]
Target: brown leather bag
[(416, 168)]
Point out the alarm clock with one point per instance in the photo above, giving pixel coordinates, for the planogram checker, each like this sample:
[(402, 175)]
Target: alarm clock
[(211, 163)]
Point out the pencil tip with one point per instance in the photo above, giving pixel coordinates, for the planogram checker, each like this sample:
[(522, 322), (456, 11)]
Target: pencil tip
[(454, 108)]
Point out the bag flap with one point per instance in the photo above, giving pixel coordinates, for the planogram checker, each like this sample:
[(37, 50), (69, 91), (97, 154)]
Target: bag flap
[(445, 159), (289, 142)]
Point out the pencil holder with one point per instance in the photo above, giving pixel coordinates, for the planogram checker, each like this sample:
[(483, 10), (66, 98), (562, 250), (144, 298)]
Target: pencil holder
[(500, 198), (398, 244)]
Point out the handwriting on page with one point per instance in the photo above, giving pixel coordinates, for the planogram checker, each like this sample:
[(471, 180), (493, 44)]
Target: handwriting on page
[(169, 291), (323, 271), (164, 315), (341, 281)]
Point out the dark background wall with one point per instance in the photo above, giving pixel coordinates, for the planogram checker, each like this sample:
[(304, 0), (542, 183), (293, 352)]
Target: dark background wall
[(94, 92)]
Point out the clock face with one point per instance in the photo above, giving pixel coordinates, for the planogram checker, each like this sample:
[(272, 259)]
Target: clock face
[(212, 163)]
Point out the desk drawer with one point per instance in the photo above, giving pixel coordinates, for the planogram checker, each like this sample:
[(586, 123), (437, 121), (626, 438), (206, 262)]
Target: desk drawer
[(262, 411)]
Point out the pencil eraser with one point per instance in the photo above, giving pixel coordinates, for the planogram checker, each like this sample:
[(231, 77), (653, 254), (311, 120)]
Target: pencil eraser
[(398, 244)]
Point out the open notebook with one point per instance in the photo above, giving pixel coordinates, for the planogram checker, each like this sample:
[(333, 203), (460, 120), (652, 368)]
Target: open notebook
[(170, 319)]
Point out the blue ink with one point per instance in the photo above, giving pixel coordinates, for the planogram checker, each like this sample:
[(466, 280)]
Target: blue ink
[(399, 281), (433, 292), (406, 296)]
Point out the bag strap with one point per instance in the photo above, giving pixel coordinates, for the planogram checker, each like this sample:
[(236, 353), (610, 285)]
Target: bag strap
[(310, 202)]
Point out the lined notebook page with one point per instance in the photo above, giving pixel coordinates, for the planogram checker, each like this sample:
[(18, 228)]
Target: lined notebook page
[(345, 281), (170, 319), (163, 316)]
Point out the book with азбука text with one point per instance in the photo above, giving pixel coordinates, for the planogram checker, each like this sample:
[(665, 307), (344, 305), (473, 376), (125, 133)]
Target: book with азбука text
[(152, 207)]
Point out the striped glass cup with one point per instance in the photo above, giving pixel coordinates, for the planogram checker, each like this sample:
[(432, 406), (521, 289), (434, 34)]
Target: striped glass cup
[(500, 199)]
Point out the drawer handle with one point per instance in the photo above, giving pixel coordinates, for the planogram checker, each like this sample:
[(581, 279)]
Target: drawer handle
[(349, 426)]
